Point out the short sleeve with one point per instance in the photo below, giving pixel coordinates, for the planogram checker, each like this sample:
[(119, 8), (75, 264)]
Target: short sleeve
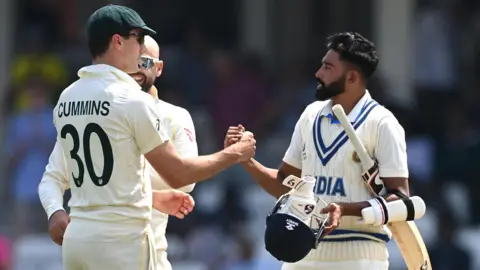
[(183, 135), (293, 156), (144, 119), (391, 149)]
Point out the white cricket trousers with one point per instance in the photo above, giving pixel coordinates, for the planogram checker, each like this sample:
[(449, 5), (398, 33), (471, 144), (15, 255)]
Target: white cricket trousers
[(163, 263), (95, 245), (341, 265)]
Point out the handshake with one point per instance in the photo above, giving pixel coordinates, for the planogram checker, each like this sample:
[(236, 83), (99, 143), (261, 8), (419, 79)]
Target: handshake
[(240, 141)]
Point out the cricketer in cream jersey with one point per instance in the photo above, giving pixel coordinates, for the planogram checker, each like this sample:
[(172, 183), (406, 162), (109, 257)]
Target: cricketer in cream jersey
[(175, 121), (319, 147), (178, 123), (107, 127), (104, 128)]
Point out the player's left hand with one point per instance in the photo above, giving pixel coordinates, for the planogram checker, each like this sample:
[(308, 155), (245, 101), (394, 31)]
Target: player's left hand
[(173, 202), (334, 212)]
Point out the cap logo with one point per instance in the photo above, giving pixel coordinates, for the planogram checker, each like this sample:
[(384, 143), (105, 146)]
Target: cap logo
[(291, 225)]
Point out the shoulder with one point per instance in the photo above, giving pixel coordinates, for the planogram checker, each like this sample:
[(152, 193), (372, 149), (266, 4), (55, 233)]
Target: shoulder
[(72, 87), (175, 113), (381, 114), (310, 112), (313, 108), (130, 96)]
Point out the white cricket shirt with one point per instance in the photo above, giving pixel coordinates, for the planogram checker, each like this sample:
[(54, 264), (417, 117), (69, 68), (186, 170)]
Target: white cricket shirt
[(320, 147), (178, 124), (105, 124)]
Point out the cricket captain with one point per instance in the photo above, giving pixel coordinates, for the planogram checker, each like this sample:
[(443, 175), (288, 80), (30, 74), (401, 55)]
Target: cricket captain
[(107, 129), (319, 147)]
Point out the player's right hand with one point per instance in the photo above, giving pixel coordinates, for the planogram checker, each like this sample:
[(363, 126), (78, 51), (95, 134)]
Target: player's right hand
[(57, 225), (246, 146), (234, 135)]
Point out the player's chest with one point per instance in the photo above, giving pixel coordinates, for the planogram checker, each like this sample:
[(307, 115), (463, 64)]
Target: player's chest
[(327, 150)]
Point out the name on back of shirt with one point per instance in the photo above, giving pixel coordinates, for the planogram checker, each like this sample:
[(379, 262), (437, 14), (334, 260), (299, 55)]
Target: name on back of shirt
[(83, 107)]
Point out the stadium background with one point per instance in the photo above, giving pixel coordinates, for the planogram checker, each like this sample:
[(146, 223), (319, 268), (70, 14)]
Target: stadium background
[(253, 62)]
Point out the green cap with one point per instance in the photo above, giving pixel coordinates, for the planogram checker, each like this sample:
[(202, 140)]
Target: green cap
[(115, 19)]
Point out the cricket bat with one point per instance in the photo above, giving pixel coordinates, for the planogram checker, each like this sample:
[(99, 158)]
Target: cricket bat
[(406, 234)]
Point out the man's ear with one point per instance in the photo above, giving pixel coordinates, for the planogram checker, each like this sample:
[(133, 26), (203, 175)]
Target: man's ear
[(352, 76), (117, 41), (159, 68)]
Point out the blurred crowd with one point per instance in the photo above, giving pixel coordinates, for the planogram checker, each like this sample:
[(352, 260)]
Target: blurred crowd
[(222, 85)]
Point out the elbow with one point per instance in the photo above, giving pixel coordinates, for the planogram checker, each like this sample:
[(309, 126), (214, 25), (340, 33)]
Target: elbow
[(41, 187), (187, 188), (175, 181)]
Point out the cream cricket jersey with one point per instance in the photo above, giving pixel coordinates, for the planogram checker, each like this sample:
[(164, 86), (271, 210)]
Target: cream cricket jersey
[(178, 124), (105, 124), (320, 147)]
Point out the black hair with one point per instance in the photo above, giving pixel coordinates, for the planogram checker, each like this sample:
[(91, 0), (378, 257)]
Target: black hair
[(355, 49), (99, 45)]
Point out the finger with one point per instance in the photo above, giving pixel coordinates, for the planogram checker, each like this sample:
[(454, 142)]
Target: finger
[(327, 231), (234, 129), (324, 210), (233, 140), (189, 203), (241, 127), (248, 134), (185, 211), (58, 240), (234, 137), (327, 209), (179, 215), (234, 132)]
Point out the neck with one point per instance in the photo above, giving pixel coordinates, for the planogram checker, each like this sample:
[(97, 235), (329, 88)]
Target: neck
[(153, 91), (348, 100), (108, 60)]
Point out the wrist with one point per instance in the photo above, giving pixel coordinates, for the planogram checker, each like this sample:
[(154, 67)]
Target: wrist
[(56, 212), (247, 163), (353, 209), (232, 153)]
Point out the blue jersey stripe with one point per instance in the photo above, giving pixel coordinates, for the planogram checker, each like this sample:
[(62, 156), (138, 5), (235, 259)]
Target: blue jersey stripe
[(323, 151), (349, 235)]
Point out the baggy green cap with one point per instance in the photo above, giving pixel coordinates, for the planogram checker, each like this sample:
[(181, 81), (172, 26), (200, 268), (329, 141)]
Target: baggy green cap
[(115, 19)]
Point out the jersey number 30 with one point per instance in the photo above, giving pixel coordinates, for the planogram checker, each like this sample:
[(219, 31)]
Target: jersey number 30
[(103, 179)]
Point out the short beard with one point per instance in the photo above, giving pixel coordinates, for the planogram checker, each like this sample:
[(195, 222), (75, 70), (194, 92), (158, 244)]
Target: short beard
[(335, 88), (147, 83), (146, 87)]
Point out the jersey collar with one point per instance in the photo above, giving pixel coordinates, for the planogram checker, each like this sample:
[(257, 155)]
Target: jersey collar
[(106, 71), (353, 115)]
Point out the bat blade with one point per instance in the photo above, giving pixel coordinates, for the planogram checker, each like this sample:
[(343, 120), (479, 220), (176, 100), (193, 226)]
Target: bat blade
[(411, 245), (406, 234)]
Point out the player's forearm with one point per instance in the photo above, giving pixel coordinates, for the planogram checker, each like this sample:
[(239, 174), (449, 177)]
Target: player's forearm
[(355, 209), (267, 178), (196, 169), (51, 196)]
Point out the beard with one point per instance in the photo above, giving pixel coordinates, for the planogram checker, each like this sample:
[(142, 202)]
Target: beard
[(144, 81), (326, 92)]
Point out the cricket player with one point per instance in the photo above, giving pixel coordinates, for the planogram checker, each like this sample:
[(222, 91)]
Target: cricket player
[(107, 129), (319, 147), (179, 126)]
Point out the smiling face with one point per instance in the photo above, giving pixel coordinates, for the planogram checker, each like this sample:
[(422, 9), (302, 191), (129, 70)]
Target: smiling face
[(150, 66)]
